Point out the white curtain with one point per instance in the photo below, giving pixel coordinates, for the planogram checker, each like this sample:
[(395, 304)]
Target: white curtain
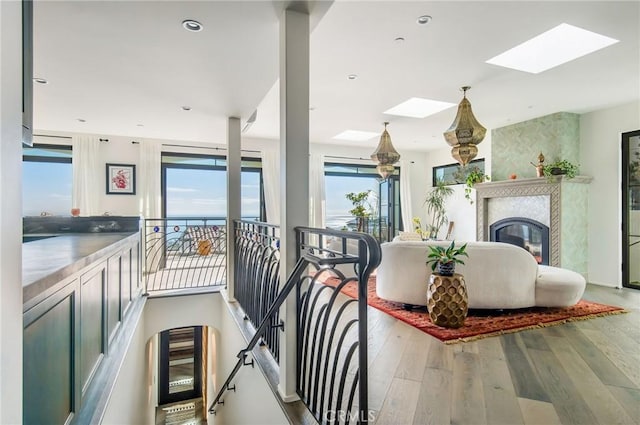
[(316, 191), (405, 195), (87, 175), (271, 179), (150, 185)]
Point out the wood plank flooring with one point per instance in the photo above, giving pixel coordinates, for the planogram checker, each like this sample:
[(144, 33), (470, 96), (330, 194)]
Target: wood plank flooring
[(585, 372)]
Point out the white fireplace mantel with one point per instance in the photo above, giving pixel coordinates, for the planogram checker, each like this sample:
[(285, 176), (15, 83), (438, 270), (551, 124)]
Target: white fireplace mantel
[(566, 201)]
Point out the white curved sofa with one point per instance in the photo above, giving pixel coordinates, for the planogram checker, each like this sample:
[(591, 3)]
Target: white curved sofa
[(497, 276)]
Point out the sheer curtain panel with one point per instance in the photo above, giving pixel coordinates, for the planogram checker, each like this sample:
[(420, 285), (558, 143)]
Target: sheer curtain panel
[(405, 195), (271, 180), (88, 170), (150, 184), (316, 191)]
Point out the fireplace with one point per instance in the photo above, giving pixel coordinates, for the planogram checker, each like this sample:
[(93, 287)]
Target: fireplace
[(525, 233), (558, 203)]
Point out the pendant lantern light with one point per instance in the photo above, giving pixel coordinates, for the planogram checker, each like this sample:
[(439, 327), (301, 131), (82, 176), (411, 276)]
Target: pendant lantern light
[(465, 132), (385, 154)]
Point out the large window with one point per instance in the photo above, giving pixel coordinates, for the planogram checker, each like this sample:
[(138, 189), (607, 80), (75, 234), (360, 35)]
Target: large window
[(47, 177), (383, 202), (196, 186)]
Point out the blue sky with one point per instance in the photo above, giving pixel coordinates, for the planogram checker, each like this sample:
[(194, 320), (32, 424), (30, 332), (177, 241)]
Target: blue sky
[(203, 193), (46, 187)]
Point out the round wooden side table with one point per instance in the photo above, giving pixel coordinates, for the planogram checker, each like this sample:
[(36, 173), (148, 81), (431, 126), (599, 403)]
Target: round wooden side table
[(447, 300)]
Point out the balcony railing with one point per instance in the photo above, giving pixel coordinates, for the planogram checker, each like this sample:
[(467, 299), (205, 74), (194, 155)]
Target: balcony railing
[(185, 253)]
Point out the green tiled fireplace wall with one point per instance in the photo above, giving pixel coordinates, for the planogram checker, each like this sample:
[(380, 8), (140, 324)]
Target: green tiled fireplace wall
[(573, 229), (515, 147)]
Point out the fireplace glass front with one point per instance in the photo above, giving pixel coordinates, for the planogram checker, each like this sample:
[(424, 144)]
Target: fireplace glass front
[(528, 234)]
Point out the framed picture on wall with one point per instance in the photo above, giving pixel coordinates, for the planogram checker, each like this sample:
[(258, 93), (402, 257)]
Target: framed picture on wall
[(121, 179)]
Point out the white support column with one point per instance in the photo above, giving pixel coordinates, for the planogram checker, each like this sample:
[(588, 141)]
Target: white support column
[(294, 171), (234, 168), (10, 212)]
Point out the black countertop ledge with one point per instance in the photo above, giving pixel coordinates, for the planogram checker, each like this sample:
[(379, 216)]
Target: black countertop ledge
[(47, 262)]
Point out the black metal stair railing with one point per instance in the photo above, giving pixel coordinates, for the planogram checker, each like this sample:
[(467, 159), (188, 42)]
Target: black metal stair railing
[(331, 330), (257, 276)]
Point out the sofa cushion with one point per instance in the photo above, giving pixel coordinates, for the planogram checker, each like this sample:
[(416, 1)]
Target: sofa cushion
[(556, 287), (409, 236)]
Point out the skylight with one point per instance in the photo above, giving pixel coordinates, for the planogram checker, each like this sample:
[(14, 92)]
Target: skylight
[(355, 135), (559, 45), (417, 107)]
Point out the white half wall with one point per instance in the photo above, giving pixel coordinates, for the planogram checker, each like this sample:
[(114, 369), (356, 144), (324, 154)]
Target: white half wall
[(459, 209), (128, 402), (600, 157)]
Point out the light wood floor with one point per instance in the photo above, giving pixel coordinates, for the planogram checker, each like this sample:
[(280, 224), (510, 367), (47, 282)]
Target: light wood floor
[(585, 372)]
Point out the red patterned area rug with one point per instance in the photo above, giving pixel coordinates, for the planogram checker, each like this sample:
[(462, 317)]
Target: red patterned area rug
[(482, 323)]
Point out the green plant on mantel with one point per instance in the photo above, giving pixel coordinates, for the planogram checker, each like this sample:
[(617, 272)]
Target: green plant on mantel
[(474, 176), (562, 167)]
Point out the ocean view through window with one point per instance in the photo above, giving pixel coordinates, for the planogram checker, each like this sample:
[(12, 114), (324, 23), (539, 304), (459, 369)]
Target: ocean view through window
[(47, 178)]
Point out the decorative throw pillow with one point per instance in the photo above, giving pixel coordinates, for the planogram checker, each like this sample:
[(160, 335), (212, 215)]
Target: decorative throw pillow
[(409, 236)]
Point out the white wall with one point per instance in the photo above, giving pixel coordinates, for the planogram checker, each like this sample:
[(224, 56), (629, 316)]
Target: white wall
[(253, 402), (600, 157), (120, 150), (128, 403), (10, 213), (459, 209)]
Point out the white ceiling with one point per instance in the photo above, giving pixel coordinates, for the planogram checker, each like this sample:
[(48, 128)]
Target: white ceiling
[(119, 64)]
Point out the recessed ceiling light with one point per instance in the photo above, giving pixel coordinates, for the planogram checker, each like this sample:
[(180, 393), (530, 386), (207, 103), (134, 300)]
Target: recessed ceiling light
[(186, 108), (352, 76), (356, 135), (399, 39), (559, 45), (191, 25), (418, 108), (40, 81), (424, 20), (139, 125), (81, 120)]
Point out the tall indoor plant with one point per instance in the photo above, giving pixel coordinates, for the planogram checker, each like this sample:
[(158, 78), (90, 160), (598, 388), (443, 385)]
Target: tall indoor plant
[(435, 202)]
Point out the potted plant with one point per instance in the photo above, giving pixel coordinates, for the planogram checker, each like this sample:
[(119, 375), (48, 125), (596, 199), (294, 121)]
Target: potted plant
[(447, 299), (435, 202), (475, 175), (562, 167), (443, 260), (361, 208)]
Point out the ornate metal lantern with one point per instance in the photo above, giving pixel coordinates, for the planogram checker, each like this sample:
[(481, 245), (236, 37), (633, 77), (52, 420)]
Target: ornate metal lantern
[(465, 132), (385, 154)]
